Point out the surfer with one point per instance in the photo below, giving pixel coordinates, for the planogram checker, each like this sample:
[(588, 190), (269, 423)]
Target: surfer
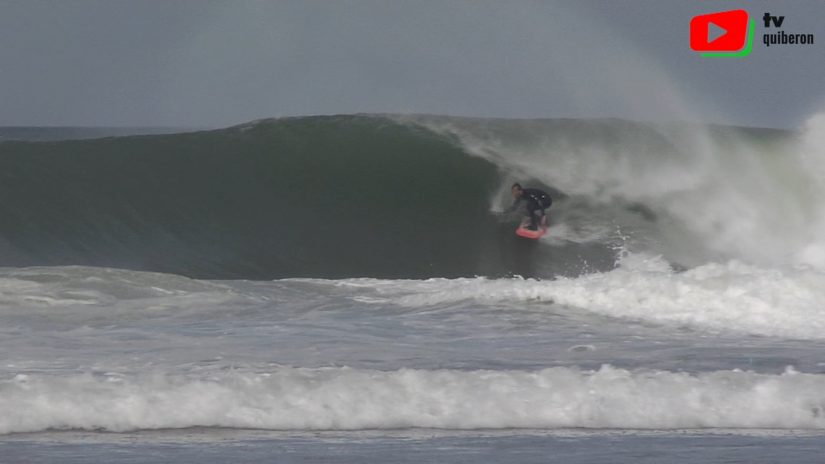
[(537, 201)]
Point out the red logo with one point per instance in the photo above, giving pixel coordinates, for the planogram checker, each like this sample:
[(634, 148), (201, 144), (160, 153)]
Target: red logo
[(726, 31)]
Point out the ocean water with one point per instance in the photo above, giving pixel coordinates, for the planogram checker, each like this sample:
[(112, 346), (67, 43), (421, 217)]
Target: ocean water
[(343, 289)]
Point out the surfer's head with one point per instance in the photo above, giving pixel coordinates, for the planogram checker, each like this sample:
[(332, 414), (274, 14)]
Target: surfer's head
[(516, 190)]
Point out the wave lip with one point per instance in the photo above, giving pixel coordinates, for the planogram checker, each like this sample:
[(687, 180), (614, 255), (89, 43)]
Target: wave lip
[(353, 399)]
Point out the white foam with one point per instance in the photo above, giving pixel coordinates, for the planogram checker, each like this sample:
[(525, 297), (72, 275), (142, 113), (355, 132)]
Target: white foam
[(723, 197), (729, 297), (348, 399)]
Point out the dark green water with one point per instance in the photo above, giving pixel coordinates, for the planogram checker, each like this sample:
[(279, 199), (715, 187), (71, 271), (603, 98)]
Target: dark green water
[(328, 196), (337, 196)]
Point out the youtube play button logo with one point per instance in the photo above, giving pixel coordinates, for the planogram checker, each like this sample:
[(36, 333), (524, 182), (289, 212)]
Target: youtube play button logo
[(725, 33)]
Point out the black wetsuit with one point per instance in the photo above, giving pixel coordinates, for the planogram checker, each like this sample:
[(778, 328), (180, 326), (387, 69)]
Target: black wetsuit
[(537, 200)]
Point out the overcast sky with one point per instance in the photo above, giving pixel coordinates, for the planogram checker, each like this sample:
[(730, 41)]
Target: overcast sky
[(199, 63)]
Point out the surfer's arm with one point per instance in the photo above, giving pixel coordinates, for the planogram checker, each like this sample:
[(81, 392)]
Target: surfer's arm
[(512, 207)]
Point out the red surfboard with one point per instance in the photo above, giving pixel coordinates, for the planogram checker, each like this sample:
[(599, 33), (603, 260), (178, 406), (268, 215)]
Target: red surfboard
[(523, 231)]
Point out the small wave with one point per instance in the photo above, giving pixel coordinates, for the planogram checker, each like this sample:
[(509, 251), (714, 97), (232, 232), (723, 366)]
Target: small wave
[(727, 297), (352, 399)]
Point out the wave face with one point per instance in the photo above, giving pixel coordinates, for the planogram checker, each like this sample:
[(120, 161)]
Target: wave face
[(326, 196), (410, 197)]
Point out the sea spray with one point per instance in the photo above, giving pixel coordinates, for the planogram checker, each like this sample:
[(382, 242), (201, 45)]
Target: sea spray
[(707, 193)]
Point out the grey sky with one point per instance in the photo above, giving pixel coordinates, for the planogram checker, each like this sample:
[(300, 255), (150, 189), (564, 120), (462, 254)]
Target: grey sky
[(216, 63)]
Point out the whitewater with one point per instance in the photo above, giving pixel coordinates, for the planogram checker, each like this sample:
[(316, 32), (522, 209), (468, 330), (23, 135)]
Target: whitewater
[(677, 299)]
